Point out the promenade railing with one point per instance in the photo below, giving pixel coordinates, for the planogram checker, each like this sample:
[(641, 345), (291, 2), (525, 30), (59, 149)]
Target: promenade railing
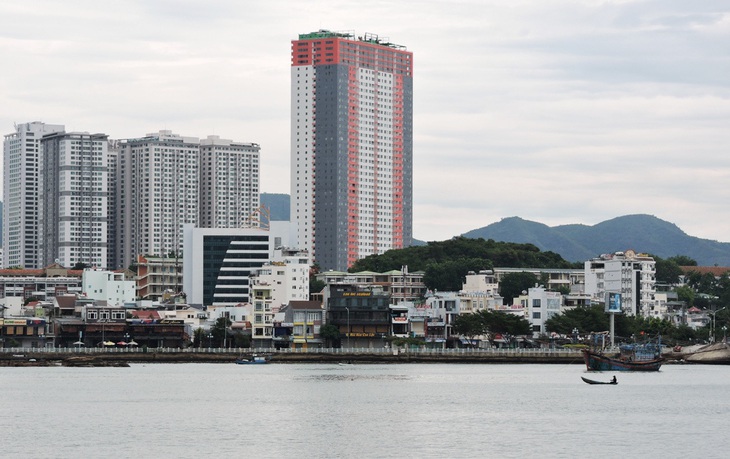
[(311, 350)]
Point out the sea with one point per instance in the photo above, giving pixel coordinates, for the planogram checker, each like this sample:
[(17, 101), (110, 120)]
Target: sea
[(363, 411)]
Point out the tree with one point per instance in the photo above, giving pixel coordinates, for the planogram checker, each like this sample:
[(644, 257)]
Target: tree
[(449, 275), (220, 331), (505, 323), (492, 253), (685, 294), (315, 285), (683, 260), (469, 325), (586, 320), (198, 337), (667, 271), (489, 322), (513, 284), (702, 283), (331, 334), (79, 266), (241, 340)]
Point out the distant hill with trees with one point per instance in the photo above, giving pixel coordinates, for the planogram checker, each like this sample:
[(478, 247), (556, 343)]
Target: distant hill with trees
[(445, 263), (642, 233), (278, 205)]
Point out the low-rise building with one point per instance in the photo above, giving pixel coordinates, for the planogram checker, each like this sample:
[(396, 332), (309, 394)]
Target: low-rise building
[(362, 315), (43, 284), (540, 305), (400, 285), (157, 276), (113, 288), (307, 318)]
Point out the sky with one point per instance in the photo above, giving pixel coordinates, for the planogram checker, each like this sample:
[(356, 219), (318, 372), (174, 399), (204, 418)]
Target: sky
[(554, 111)]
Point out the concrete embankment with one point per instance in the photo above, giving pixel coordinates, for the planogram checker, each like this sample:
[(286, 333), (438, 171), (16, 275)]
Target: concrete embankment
[(90, 358)]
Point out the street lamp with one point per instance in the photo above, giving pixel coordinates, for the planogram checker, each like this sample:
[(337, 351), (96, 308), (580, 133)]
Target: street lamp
[(724, 333), (348, 327), (210, 339), (713, 321)]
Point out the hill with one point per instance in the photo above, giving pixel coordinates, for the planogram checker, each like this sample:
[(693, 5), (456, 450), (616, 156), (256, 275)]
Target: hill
[(643, 233), (278, 205)]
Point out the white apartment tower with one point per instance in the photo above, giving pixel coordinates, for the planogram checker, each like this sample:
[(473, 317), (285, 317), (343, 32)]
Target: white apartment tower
[(158, 192), (21, 189), (229, 183), (112, 202), (73, 199)]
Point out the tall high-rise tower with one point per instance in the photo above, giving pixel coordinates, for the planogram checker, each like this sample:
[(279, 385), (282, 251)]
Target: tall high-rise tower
[(229, 183), (158, 179), (73, 199), (351, 146), (21, 190)]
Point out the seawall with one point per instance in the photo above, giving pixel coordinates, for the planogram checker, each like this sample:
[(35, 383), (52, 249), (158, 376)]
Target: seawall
[(123, 357)]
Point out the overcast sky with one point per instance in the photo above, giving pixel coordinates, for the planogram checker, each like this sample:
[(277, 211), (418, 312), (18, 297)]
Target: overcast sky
[(554, 111)]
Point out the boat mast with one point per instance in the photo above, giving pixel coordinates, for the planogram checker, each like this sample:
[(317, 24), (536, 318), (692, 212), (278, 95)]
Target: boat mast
[(613, 317)]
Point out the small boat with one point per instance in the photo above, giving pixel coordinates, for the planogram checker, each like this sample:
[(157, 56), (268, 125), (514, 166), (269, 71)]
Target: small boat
[(632, 357), (254, 360), (591, 381), (345, 364)]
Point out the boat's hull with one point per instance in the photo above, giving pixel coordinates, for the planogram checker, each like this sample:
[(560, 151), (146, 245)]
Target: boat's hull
[(599, 362), (251, 362), (590, 381)]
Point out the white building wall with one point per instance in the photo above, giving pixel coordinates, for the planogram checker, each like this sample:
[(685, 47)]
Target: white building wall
[(482, 282), (195, 260), (302, 161), (632, 275), (108, 286), (541, 306), (375, 162), (21, 187), (160, 175), (229, 183), (73, 202)]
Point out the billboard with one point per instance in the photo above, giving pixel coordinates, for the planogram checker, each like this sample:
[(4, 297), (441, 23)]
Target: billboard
[(613, 303)]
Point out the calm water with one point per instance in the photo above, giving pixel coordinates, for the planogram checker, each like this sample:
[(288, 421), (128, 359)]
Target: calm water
[(325, 410)]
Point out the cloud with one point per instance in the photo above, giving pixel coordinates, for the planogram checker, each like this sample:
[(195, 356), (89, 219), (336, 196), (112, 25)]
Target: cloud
[(562, 112)]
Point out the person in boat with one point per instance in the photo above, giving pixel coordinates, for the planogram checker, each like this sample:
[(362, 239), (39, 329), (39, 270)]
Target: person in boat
[(613, 381)]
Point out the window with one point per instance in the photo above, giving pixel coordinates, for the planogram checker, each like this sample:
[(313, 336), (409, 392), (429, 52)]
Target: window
[(535, 315)]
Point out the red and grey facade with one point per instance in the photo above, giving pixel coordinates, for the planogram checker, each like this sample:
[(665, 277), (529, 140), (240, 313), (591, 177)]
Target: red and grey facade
[(352, 146)]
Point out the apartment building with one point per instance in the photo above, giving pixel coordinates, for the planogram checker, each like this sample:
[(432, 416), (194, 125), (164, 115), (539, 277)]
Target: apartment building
[(628, 273), (229, 183), (158, 192), (73, 208), (351, 146), (21, 194)]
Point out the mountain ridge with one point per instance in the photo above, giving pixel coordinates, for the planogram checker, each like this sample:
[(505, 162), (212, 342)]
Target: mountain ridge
[(578, 242)]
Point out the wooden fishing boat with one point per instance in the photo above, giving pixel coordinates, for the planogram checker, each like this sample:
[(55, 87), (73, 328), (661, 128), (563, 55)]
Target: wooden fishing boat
[(591, 381), (632, 357)]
